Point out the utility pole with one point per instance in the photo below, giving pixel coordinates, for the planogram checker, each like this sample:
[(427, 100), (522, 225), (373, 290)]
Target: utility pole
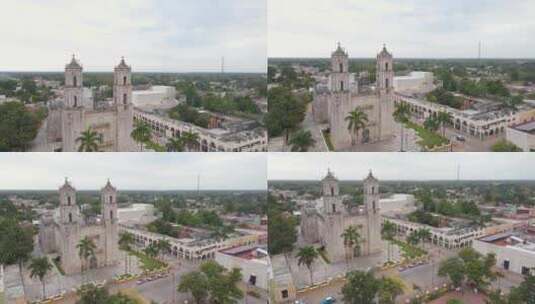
[(479, 54), (222, 65)]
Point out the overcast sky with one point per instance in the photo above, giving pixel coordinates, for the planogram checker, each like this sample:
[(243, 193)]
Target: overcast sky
[(153, 35), (134, 171), (402, 166), (410, 28)]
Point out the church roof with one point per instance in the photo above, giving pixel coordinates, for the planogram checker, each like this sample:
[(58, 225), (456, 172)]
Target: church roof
[(109, 186), (74, 64), (384, 52), (339, 51), (122, 64), (371, 178), (67, 186)]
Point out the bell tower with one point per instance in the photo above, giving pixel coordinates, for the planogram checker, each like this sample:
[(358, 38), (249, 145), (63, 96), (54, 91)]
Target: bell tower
[(68, 209), (122, 84), (385, 93), (332, 203), (69, 223), (371, 201), (339, 79), (108, 198), (73, 84), (385, 72)]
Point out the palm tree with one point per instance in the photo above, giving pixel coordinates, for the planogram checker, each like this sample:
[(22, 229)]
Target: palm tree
[(86, 250), (356, 120), (190, 140), (39, 267), (125, 241), (306, 256), (431, 124), (163, 246), (89, 141), (152, 250), (443, 118), (175, 144), (302, 141), (401, 116), (388, 232), (424, 234), (352, 240), (141, 133)]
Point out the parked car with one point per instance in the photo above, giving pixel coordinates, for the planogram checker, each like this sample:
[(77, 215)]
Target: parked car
[(460, 138), (328, 300)]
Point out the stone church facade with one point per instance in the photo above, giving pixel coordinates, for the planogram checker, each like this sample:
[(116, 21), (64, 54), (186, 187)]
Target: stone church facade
[(343, 94), (113, 121), (61, 232), (324, 225)]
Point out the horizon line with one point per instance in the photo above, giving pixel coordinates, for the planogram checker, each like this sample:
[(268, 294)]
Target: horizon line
[(412, 180), (151, 190), (425, 58)]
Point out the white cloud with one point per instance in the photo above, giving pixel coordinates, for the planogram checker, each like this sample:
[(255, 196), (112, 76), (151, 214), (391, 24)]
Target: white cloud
[(402, 166), (411, 28), (154, 35), (139, 171)]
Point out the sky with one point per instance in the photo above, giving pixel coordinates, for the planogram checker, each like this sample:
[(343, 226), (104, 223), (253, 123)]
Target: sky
[(153, 35), (134, 171), (402, 166), (409, 28)]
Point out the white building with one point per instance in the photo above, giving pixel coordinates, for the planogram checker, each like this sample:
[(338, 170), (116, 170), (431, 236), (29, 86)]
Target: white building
[(399, 203), (523, 136), (157, 97), (136, 213), (196, 249), (415, 82), (239, 139), (252, 260), (482, 123), (515, 251), (452, 237)]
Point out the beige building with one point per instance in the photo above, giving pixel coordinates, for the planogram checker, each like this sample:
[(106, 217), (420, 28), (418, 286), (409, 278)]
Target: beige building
[(253, 262), (325, 225), (62, 232), (522, 135), (196, 249), (77, 112), (333, 103), (515, 250), (210, 140)]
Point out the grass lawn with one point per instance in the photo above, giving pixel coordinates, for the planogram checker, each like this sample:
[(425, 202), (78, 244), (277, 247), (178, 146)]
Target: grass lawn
[(428, 139), (148, 263), (409, 251), (327, 137)]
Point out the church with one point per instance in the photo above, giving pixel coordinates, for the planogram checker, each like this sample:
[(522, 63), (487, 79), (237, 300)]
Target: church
[(62, 231), (111, 120), (325, 223), (345, 92)]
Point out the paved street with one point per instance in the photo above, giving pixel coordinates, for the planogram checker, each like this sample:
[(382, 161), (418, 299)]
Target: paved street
[(417, 279)]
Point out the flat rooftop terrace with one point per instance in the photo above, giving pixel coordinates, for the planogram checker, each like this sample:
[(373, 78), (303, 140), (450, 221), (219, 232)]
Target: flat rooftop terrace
[(528, 127)]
